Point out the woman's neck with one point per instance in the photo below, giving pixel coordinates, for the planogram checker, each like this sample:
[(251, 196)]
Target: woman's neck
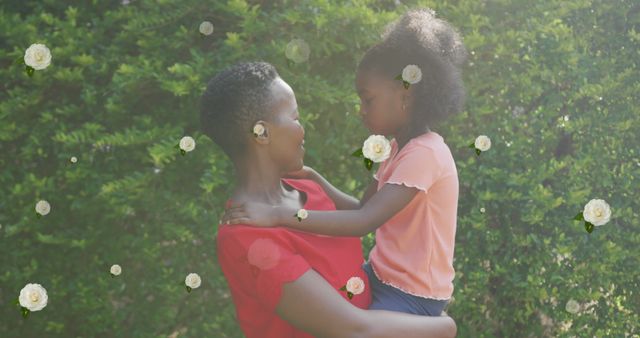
[(259, 183)]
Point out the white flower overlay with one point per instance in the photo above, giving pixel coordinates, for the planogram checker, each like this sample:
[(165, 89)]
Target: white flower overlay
[(193, 280), (572, 306), (597, 212), (297, 50), (116, 270), (258, 129), (187, 143), (517, 111), (376, 148), (263, 253), (412, 74), (302, 214), (206, 28), (43, 207), (483, 143), (37, 56), (355, 285), (73, 159), (33, 297)]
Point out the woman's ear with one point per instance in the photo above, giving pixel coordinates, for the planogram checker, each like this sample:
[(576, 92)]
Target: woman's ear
[(261, 132)]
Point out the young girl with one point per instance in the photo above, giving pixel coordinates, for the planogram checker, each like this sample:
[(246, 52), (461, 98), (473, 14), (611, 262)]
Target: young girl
[(412, 203)]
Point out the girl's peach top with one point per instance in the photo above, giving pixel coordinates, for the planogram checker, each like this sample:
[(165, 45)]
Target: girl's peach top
[(414, 249)]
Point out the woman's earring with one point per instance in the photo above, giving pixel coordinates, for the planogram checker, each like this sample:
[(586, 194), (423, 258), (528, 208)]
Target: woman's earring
[(258, 130)]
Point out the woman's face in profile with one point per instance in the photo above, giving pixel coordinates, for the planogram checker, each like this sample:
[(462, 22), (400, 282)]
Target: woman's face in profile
[(287, 134)]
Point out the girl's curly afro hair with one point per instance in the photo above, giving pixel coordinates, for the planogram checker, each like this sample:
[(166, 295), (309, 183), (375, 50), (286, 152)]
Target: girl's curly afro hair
[(434, 45)]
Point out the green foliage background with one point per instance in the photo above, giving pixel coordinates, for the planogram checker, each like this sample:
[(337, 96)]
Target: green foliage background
[(123, 88)]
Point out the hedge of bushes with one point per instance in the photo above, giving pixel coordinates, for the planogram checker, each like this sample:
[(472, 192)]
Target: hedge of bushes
[(554, 84)]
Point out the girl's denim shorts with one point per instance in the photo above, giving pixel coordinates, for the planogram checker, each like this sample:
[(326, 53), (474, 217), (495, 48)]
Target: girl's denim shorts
[(385, 297)]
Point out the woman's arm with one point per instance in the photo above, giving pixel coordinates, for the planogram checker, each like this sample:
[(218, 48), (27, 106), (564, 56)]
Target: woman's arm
[(311, 304), (383, 205)]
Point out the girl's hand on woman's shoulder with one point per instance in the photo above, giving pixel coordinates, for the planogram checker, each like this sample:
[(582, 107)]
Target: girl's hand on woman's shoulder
[(252, 213)]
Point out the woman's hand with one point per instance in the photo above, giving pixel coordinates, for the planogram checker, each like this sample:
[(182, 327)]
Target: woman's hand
[(252, 213)]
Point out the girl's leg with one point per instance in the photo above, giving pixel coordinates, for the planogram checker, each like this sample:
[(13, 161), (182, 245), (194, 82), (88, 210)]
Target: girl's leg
[(385, 297), (432, 307)]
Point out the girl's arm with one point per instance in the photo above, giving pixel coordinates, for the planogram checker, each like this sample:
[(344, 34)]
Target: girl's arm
[(311, 304), (383, 205), (342, 200), (371, 189)]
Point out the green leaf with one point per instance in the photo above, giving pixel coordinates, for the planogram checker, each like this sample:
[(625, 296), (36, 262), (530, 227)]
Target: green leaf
[(579, 217), (588, 226), (358, 153), (50, 239), (368, 163), (344, 288)]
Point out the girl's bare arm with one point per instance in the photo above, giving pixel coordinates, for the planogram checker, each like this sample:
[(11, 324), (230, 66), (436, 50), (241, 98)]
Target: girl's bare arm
[(342, 200), (382, 205)]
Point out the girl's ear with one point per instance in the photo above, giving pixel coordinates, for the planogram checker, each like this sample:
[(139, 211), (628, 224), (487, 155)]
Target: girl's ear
[(408, 93), (406, 98)]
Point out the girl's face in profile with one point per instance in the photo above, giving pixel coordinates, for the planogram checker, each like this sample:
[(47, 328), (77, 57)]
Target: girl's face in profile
[(286, 133), (381, 102)]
